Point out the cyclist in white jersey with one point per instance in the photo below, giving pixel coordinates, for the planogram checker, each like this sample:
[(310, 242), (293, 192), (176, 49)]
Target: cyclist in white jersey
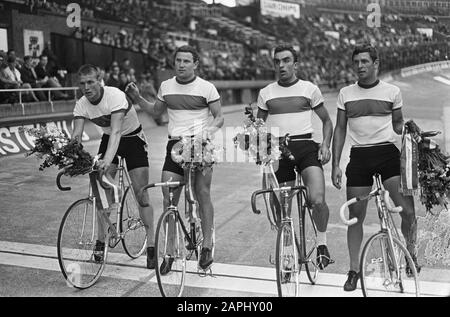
[(288, 105), (189, 100), (109, 108), (373, 111)]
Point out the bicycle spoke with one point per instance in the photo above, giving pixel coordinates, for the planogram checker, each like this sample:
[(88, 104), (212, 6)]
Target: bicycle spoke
[(170, 248), (383, 271), (287, 267), (76, 241), (132, 227)]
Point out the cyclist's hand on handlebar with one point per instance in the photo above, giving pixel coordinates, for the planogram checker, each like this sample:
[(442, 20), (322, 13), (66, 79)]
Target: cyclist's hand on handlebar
[(103, 165), (324, 154), (336, 177)]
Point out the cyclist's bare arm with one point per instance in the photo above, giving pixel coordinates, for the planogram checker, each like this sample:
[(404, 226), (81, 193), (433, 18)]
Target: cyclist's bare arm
[(397, 120), (216, 111), (114, 139), (153, 109), (78, 128), (327, 132), (340, 132), (327, 125)]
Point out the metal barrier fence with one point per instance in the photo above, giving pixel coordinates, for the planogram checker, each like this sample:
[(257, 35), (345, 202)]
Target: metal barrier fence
[(48, 90)]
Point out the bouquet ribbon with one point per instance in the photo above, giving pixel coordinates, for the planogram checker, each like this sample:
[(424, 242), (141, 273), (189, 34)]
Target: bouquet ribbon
[(105, 198), (409, 160)]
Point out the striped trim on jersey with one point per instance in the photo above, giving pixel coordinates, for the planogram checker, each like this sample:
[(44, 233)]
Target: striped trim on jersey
[(112, 101), (369, 112), (187, 104), (290, 106)]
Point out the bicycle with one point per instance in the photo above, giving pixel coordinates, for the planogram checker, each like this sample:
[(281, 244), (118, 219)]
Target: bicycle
[(174, 244), (385, 262), (78, 232), (294, 247)]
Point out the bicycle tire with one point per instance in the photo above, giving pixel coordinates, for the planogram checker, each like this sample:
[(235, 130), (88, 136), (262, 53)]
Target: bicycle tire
[(378, 275), (132, 227), (172, 283), (286, 254), (77, 235), (309, 243)]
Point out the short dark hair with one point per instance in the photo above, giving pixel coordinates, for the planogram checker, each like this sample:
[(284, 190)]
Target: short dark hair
[(286, 47), (43, 55), (87, 69), (187, 49), (27, 58), (366, 48)]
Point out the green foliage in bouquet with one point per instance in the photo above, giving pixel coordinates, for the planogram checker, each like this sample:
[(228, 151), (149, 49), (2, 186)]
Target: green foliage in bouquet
[(57, 149), (434, 168)]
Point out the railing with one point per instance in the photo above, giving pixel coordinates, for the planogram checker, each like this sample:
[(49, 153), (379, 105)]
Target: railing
[(49, 90)]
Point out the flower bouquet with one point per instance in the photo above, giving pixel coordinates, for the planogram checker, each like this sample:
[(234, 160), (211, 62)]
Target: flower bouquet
[(262, 146), (433, 169), (56, 148), (195, 152)]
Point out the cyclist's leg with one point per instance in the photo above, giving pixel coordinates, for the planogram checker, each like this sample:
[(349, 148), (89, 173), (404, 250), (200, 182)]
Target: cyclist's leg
[(134, 151), (355, 232), (359, 183), (313, 178), (139, 178), (174, 177), (409, 221), (202, 188)]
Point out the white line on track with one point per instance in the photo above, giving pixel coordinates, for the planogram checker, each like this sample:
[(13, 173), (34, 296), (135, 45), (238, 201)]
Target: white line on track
[(239, 278), (442, 80)]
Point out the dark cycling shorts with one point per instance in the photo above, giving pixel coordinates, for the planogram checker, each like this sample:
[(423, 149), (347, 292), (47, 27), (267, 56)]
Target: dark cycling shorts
[(305, 153), (169, 164), (132, 148), (366, 161)]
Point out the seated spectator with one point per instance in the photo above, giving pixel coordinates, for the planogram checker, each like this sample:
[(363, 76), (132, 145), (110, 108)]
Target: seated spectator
[(52, 82), (11, 79), (29, 76)]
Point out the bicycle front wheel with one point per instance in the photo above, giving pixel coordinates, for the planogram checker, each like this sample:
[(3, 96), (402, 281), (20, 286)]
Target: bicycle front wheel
[(77, 236), (384, 270), (287, 266), (132, 226), (171, 254)]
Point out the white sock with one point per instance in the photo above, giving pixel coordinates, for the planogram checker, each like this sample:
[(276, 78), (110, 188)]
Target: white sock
[(321, 238)]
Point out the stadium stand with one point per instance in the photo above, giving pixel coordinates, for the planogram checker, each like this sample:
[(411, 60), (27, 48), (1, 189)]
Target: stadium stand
[(236, 46)]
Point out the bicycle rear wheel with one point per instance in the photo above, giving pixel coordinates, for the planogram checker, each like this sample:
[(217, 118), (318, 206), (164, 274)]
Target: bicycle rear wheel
[(378, 274), (309, 243), (286, 263), (77, 236), (170, 252), (132, 226)]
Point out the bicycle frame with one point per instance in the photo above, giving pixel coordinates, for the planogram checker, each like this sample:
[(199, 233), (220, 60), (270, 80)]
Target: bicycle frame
[(190, 203), (385, 210), (113, 229), (286, 195)]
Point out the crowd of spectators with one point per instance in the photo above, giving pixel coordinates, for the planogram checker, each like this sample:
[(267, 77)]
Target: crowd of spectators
[(324, 40), (29, 72)]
